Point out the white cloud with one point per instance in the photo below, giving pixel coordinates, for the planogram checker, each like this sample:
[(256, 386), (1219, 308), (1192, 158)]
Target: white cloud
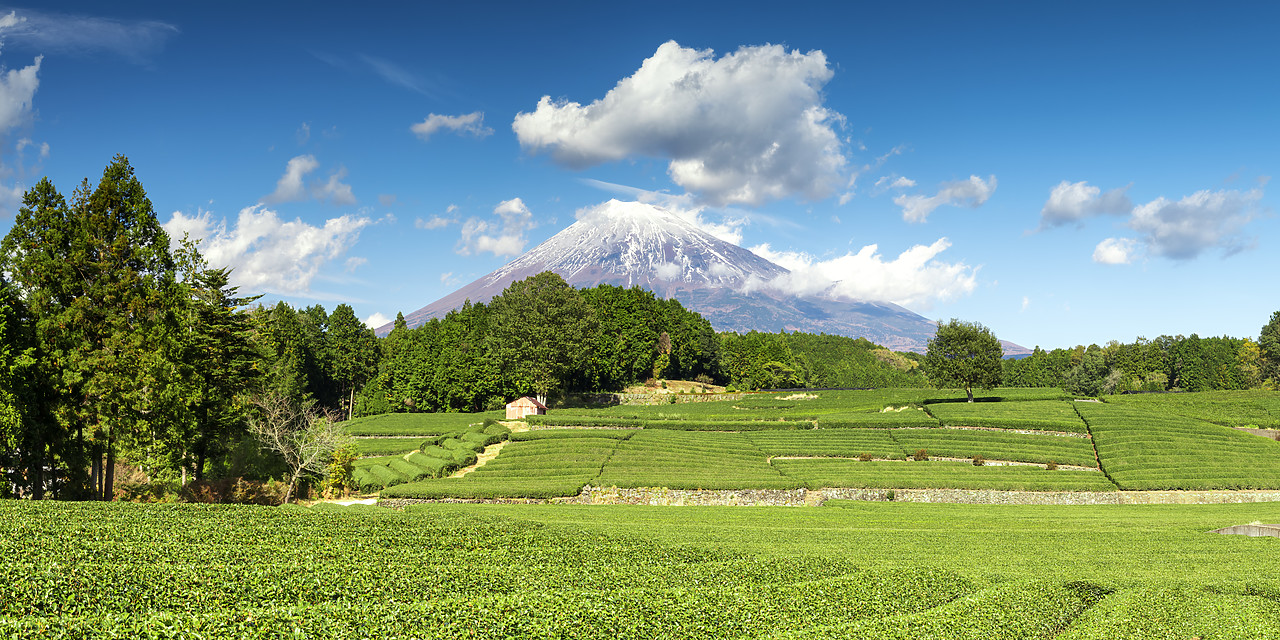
[(470, 123), (17, 89), (386, 199), (1182, 229), (505, 237), (894, 182), (742, 129), (434, 222), (82, 35), (914, 279), (668, 270), (303, 134), (1026, 303), (335, 190), (972, 192), (290, 185), (1075, 201), (1115, 251), (27, 142), (11, 199), (268, 254), (376, 320), (356, 262)]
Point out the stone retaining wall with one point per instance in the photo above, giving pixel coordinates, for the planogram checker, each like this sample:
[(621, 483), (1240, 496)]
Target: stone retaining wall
[(1274, 434)]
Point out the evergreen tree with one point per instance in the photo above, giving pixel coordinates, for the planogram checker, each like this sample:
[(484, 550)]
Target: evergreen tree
[(97, 275)]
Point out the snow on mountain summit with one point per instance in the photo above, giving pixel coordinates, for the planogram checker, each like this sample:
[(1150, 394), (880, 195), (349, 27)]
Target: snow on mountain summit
[(634, 243)]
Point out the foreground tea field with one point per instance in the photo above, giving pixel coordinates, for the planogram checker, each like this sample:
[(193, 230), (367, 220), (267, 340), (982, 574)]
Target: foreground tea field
[(507, 571)]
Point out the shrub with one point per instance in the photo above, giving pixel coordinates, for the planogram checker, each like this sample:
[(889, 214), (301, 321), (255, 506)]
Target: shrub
[(1052, 466), (865, 457), (921, 455), (338, 479), (978, 461), (234, 491)]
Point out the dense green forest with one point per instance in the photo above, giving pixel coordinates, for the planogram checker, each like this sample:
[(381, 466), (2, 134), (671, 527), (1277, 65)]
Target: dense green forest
[(119, 345), (1178, 363)]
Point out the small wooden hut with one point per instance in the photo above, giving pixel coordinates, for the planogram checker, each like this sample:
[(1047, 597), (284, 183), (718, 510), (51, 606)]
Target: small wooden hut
[(519, 408)]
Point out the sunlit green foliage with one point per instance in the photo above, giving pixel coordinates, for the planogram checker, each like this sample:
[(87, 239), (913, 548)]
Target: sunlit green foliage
[(1039, 416), (1144, 450), (541, 468), (844, 443), (686, 460), (1260, 409), (997, 445)]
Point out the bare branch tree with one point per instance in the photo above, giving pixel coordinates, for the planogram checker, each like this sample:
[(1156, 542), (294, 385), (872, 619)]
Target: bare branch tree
[(304, 437)]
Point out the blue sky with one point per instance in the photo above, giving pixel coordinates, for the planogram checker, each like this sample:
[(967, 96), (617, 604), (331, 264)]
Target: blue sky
[(1065, 174)]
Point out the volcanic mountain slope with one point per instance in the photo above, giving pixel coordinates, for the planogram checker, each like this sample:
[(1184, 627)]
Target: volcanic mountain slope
[(634, 244)]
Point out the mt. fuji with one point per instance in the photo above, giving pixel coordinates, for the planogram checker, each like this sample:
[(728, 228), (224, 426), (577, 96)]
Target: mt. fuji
[(635, 244)]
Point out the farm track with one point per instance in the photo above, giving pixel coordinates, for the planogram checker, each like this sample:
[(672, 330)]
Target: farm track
[(1030, 432), (490, 452)]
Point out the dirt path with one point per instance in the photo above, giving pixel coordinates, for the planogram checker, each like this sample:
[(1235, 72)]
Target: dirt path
[(490, 452)]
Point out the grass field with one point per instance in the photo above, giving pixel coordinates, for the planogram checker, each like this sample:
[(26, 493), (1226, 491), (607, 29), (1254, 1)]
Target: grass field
[(865, 570)]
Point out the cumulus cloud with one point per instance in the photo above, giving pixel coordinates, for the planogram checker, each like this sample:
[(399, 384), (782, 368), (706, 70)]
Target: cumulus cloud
[(914, 279), (503, 237), (1074, 201), (1204, 220), (291, 186), (376, 320), (972, 192), (17, 90), (334, 189), (268, 254), (746, 128), (470, 124), (1115, 251)]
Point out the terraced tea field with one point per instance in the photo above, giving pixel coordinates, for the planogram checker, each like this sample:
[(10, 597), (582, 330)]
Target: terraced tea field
[(837, 439)]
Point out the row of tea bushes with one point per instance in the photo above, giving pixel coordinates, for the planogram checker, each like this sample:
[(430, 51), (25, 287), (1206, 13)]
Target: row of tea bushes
[(544, 467), (688, 460), (436, 457), (998, 445), (1040, 415), (1148, 450)]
